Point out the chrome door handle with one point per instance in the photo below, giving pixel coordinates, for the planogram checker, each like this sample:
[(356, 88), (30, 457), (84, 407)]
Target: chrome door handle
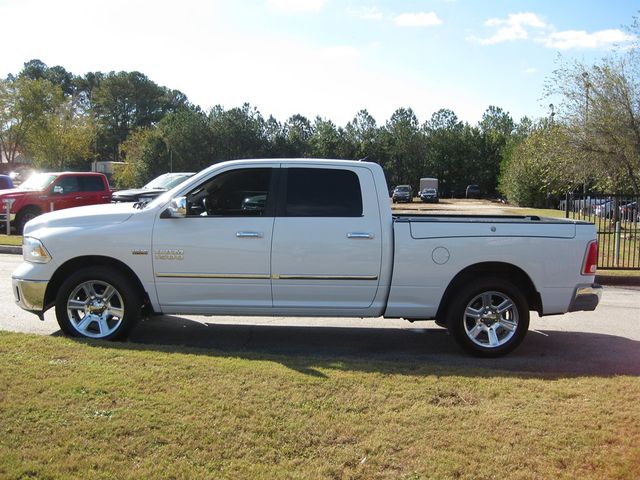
[(248, 235), (360, 235)]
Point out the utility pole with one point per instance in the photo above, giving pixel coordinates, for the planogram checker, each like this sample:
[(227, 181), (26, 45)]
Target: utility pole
[(170, 150), (585, 76), (587, 84)]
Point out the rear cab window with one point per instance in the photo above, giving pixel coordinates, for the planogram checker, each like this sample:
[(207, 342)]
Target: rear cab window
[(91, 183), (321, 192)]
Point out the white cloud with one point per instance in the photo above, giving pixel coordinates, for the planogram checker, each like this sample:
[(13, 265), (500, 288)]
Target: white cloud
[(530, 71), (515, 27), (520, 19), (569, 39), (418, 19), (527, 25), (297, 5), (366, 13)]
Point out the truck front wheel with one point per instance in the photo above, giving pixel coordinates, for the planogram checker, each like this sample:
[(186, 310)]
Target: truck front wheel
[(489, 317), (98, 302), (24, 215)]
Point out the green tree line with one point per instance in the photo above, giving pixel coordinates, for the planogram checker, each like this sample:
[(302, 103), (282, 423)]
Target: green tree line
[(67, 121)]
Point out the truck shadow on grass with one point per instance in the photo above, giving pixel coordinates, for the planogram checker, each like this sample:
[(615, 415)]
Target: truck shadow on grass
[(423, 350)]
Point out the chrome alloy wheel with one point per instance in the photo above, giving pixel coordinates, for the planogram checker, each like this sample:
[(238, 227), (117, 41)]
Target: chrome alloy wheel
[(490, 319), (95, 309)]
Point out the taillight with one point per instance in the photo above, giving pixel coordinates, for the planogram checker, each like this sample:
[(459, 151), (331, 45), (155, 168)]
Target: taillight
[(591, 259)]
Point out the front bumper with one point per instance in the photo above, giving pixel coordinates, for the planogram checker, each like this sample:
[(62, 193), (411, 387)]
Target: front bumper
[(586, 298), (29, 294)]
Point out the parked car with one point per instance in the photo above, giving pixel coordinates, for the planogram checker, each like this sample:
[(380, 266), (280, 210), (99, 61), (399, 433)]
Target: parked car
[(310, 249), (630, 212), (473, 191), (586, 206), (151, 190), (429, 195), (6, 182), (604, 209), (44, 192), (430, 184), (402, 193)]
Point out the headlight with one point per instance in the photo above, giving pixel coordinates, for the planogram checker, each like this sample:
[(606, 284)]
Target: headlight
[(34, 251)]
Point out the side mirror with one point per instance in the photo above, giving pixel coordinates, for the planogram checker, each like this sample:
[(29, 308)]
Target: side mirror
[(58, 190), (176, 209)]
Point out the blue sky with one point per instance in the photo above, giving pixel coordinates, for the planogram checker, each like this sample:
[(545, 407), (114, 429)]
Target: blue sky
[(324, 57)]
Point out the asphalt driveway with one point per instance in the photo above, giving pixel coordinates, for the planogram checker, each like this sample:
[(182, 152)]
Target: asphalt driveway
[(604, 342)]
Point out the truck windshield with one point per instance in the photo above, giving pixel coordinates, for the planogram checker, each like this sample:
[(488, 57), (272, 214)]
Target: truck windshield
[(403, 189), (38, 181)]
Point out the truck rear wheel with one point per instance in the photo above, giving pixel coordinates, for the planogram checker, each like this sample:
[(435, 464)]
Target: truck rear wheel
[(98, 302), (489, 318)]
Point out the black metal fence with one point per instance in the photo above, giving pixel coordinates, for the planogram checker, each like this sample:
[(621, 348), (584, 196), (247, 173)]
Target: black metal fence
[(617, 218)]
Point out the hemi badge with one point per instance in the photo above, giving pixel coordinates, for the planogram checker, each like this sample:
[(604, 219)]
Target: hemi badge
[(139, 252)]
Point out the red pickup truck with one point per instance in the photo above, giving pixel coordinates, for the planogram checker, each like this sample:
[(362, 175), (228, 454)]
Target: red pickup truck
[(44, 192)]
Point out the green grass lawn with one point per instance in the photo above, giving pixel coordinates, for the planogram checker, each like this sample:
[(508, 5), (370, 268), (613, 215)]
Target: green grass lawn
[(72, 409)]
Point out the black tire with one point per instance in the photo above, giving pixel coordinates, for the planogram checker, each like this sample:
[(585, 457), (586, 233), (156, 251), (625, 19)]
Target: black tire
[(24, 215), (474, 318), (98, 312)]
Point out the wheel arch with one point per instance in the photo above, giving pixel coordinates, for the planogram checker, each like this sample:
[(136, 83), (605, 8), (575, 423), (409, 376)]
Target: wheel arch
[(77, 263), (506, 271), (29, 206)]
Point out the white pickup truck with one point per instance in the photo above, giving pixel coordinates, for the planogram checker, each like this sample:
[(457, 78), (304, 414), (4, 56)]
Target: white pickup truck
[(302, 238)]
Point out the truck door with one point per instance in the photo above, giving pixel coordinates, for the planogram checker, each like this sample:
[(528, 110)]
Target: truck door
[(218, 257), (64, 193), (93, 190), (327, 246)]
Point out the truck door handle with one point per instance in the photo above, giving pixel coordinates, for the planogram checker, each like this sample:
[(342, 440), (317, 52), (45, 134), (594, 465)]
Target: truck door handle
[(360, 235), (248, 235), (78, 198)]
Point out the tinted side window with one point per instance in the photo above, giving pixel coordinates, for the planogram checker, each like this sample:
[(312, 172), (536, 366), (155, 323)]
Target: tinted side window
[(91, 184), (233, 193), (322, 192), (69, 184)]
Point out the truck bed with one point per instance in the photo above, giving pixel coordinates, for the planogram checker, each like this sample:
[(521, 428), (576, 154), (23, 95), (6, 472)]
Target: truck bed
[(430, 250)]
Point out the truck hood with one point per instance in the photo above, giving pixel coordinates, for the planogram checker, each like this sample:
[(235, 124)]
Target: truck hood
[(15, 193), (137, 193), (104, 214)]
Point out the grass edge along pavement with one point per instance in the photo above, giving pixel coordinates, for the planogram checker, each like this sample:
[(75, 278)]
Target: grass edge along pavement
[(73, 408)]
